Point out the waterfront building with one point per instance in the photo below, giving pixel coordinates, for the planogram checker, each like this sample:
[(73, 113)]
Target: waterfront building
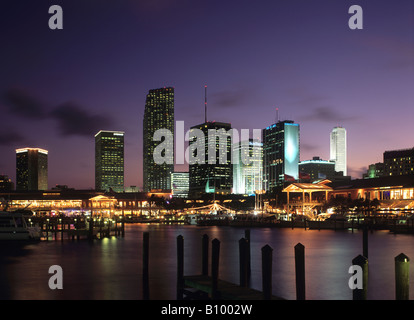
[(399, 162), (109, 161), (85, 202), (281, 153), (179, 184), (338, 149), (158, 114), (247, 177), (210, 173), (317, 169), (307, 198), (31, 169), (392, 192)]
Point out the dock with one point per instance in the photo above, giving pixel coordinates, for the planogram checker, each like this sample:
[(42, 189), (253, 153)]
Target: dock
[(59, 228), (204, 286), (226, 290)]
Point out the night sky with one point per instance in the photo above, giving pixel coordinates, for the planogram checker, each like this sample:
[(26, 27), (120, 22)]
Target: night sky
[(60, 87)]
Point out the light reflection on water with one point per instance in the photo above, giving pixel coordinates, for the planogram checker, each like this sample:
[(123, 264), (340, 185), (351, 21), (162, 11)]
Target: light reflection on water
[(112, 268)]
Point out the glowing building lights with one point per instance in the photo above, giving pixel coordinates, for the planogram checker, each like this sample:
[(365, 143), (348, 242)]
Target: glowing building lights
[(31, 169), (281, 153), (338, 149), (109, 161)]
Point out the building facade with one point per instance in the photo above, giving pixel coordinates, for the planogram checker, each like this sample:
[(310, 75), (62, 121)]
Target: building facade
[(247, 175), (399, 162), (338, 149), (317, 169), (179, 184), (109, 161), (281, 153), (31, 169), (159, 114), (210, 167)]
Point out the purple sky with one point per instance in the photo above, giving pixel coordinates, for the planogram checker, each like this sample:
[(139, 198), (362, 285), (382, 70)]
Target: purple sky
[(59, 87)]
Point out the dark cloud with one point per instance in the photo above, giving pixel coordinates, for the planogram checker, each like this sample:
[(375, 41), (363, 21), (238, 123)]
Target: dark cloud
[(327, 114), (10, 138), (72, 119), (22, 104)]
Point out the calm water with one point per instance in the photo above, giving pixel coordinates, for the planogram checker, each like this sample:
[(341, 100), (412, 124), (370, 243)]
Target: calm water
[(112, 268)]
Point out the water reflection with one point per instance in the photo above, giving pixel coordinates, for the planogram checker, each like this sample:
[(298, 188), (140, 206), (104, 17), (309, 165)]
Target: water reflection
[(112, 268)]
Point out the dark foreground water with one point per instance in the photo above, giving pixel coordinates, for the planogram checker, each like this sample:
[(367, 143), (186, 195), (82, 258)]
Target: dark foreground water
[(112, 268)]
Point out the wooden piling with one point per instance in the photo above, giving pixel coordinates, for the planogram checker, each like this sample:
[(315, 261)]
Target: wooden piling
[(180, 267), (243, 262), (215, 254), (361, 293), (90, 233), (402, 271), (300, 271), (365, 241), (204, 255), (145, 266), (267, 253), (248, 250)]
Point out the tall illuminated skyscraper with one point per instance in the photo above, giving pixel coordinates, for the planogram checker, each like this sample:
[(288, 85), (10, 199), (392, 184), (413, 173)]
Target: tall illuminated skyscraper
[(338, 152), (247, 175), (31, 169), (159, 114), (280, 154), (214, 172), (109, 161)]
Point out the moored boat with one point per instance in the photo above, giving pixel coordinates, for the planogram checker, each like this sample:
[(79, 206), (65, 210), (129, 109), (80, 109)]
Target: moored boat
[(335, 222), (14, 226)]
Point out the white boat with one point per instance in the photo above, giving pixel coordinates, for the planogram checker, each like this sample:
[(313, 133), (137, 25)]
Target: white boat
[(14, 226), (192, 218)]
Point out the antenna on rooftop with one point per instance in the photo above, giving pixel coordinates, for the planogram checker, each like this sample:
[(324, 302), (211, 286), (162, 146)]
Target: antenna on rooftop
[(205, 103), (277, 115)]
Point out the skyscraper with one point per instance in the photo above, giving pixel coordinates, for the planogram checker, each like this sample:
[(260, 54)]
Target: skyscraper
[(280, 153), (31, 169), (179, 184), (247, 175), (159, 114), (109, 161), (338, 149), (211, 171)]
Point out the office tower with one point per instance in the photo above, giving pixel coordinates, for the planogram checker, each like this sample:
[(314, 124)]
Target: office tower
[(210, 168), (338, 152), (109, 161), (247, 175), (179, 184), (31, 169), (159, 114), (317, 169), (280, 154), (399, 162)]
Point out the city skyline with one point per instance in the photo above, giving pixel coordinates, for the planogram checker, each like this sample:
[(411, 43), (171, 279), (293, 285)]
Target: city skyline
[(60, 87)]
